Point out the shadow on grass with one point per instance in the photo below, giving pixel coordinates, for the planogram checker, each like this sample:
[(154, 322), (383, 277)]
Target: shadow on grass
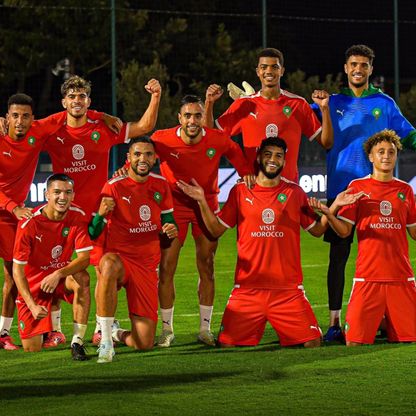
[(55, 387)]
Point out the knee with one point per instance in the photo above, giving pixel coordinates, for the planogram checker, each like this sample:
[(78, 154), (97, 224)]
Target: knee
[(205, 265), (144, 345), (110, 267), (83, 279), (313, 343)]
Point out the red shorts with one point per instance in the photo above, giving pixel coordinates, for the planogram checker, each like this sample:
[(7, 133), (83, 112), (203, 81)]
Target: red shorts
[(141, 284), (287, 310), (8, 226), (370, 301), (191, 214), (28, 325)]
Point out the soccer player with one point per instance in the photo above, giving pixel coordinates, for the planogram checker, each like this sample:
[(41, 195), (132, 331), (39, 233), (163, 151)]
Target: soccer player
[(19, 151), (81, 148), (357, 113), (191, 151), (384, 283), (138, 208), (268, 276), (273, 112), (43, 269)]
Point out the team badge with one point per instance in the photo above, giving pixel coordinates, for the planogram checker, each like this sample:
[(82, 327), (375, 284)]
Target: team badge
[(56, 252), (65, 232), (376, 113), (145, 213), (385, 207), (78, 152), (211, 152), (287, 111), (272, 130), (281, 198), (401, 196), (31, 140), (95, 136), (22, 325), (157, 196), (267, 216)]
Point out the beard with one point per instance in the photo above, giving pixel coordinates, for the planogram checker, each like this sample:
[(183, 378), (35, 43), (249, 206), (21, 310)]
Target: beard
[(269, 175)]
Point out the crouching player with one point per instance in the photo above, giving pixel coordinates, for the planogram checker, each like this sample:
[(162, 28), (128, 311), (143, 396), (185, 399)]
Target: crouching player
[(268, 276), (384, 283), (138, 208), (43, 269)]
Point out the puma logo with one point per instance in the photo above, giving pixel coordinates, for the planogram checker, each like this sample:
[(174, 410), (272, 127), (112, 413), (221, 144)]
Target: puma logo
[(60, 139), (253, 115), (9, 153), (126, 198), (175, 155), (39, 237), (341, 112), (249, 200)]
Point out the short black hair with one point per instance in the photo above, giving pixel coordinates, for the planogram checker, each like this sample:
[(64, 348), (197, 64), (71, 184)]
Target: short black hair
[(360, 50), (58, 177), (272, 141), (190, 99), (20, 99), (141, 139), (271, 53)]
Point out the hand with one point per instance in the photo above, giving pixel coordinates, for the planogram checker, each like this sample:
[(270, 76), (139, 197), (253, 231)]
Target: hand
[(170, 230), (22, 212), (194, 191), (236, 92), (4, 126), (320, 97), (107, 204), (39, 311), (250, 181), (120, 172), (318, 206), (347, 198), (49, 283), (153, 87), (113, 123), (213, 93)]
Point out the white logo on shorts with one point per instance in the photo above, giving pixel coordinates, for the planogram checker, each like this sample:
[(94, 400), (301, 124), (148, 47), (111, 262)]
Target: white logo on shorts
[(267, 216), (56, 252), (272, 130), (385, 207), (145, 213), (78, 152)]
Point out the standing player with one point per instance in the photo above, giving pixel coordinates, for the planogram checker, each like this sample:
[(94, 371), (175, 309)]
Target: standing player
[(43, 268), (384, 283), (19, 151), (273, 112), (138, 208), (190, 151), (81, 148), (357, 113), (268, 276)]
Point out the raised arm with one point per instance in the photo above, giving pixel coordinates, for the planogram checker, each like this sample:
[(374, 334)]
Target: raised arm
[(326, 137), (213, 93), (148, 120)]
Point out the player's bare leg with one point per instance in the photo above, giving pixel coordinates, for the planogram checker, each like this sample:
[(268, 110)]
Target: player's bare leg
[(142, 334), (205, 253), (109, 278), (33, 344), (79, 285), (167, 269), (56, 336), (8, 307), (313, 343)]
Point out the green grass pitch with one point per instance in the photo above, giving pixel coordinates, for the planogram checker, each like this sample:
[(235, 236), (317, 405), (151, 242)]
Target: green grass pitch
[(191, 379)]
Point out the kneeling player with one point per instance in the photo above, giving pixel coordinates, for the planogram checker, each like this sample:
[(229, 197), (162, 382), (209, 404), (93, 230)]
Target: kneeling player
[(268, 277), (384, 283), (139, 207), (43, 269)]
